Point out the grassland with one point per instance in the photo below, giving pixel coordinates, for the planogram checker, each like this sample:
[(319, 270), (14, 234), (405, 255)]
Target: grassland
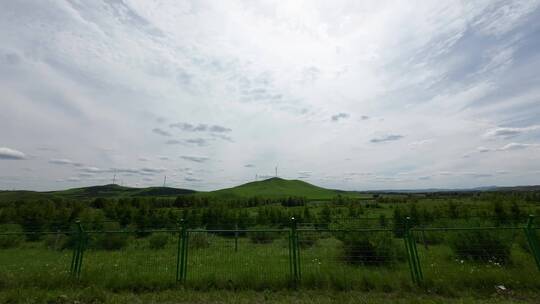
[(248, 271), (219, 264)]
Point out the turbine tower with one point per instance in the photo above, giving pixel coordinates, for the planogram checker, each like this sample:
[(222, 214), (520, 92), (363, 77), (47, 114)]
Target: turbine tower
[(164, 180), (276, 170)]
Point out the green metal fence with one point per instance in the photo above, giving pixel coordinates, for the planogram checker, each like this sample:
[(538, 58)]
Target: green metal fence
[(288, 256)]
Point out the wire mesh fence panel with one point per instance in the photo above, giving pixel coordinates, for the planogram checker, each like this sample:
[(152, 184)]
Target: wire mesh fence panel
[(34, 258), (476, 258), (130, 259), (254, 258), (365, 259)]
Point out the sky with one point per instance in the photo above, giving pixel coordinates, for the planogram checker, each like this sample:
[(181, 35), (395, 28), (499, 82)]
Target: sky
[(352, 95)]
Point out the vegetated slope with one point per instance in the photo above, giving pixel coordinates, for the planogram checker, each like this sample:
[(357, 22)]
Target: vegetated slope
[(275, 187), (106, 191), (113, 190), (23, 195)]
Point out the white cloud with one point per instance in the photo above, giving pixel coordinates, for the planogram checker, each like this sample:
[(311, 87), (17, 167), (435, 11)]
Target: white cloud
[(417, 85), (61, 161), (517, 146), (11, 154), (511, 132)]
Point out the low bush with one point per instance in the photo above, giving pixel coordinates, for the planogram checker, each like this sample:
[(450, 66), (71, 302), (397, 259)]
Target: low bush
[(158, 241), (308, 239), (481, 246), (199, 240), (369, 249), (12, 236), (262, 237), (110, 241), (430, 237), (10, 241), (57, 241)]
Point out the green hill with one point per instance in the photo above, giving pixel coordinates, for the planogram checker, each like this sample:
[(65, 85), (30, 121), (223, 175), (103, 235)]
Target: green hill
[(107, 191), (273, 188), (270, 188)]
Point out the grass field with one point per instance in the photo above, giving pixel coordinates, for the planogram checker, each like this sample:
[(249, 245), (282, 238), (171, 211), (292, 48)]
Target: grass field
[(221, 263)]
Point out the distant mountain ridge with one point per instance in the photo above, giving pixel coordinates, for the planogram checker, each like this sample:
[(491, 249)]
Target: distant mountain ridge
[(270, 188)]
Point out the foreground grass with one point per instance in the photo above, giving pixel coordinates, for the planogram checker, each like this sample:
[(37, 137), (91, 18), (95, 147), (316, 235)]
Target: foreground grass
[(258, 267), (96, 295)]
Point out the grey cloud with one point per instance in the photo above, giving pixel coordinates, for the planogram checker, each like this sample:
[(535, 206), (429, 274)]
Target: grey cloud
[(192, 179), (200, 127), (143, 159), (511, 132), (10, 58), (92, 170), (124, 170), (219, 129), (197, 159), (222, 136), (152, 170), (304, 174), (364, 117), (85, 174), (11, 154), (517, 146), (61, 161), (197, 141), (164, 158), (478, 175), (390, 137), (191, 141), (483, 149), (249, 166), (340, 116), (161, 132)]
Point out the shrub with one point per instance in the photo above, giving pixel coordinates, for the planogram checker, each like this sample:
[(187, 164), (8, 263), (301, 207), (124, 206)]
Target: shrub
[(198, 240), (11, 240), (262, 237), (110, 241), (57, 241), (308, 239), (158, 241), (369, 249), (429, 237), (481, 245)]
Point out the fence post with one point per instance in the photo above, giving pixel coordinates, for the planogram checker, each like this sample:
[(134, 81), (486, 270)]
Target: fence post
[(412, 254), (78, 251), (236, 238), (179, 225), (294, 258), (181, 254), (533, 240)]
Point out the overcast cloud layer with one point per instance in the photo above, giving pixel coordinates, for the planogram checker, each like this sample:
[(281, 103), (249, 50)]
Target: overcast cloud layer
[(343, 94)]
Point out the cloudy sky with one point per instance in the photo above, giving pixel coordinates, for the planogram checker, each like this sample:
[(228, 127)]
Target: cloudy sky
[(344, 94)]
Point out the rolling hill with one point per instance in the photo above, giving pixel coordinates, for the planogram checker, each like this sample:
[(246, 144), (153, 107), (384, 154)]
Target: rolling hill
[(275, 187), (107, 191)]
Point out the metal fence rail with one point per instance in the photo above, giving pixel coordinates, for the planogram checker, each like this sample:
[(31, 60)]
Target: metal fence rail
[(297, 255)]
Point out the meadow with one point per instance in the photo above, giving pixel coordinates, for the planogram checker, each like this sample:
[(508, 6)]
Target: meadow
[(466, 246)]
